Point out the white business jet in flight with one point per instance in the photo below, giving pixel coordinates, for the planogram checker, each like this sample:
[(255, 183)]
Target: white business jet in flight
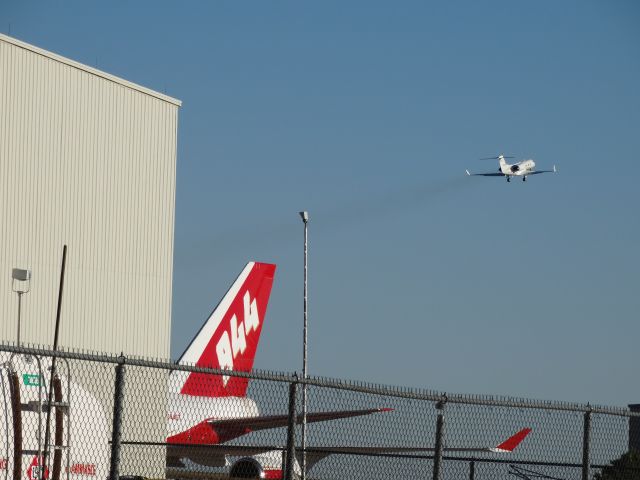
[(521, 169)]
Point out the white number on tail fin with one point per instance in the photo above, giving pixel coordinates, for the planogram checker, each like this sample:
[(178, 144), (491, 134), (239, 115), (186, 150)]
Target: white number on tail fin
[(234, 342), (225, 355), (238, 340), (251, 318)]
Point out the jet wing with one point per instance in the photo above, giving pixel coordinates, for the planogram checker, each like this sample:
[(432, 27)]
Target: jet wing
[(213, 454), (243, 425), (495, 174), (507, 446), (216, 453), (316, 454), (543, 171)]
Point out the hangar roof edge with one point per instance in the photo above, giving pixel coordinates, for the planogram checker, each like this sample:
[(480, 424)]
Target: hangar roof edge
[(88, 69)]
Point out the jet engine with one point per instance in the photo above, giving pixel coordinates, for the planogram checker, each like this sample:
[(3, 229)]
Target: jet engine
[(250, 467), (247, 468)]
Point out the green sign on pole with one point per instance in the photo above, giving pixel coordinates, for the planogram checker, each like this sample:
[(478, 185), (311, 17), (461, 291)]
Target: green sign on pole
[(31, 380)]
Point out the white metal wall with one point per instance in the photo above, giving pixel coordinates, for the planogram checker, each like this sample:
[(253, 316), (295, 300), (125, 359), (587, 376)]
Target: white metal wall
[(89, 160)]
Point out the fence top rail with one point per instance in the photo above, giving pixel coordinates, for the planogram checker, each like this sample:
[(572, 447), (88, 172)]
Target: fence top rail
[(467, 399), (145, 362), (442, 398)]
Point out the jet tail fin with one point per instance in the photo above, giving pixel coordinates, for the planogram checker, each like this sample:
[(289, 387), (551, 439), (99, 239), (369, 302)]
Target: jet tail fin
[(228, 340)]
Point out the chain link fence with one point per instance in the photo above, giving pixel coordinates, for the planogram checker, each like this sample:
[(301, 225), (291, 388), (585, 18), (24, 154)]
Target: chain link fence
[(101, 416)]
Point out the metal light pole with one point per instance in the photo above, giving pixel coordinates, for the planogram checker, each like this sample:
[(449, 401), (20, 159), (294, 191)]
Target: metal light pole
[(305, 219), (22, 277)]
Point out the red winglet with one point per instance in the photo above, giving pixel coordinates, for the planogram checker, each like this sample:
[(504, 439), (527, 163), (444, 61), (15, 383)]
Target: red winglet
[(511, 443)]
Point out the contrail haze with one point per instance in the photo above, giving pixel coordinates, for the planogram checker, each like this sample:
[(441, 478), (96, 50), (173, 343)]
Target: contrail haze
[(336, 217)]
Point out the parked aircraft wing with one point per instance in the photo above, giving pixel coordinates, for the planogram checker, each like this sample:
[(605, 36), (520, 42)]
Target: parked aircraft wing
[(512, 442), (262, 422), (215, 432), (507, 446), (200, 446), (215, 454), (315, 454)]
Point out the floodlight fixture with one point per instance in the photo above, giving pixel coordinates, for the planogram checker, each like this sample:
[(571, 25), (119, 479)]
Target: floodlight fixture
[(305, 216), (21, 284), (21, 275)]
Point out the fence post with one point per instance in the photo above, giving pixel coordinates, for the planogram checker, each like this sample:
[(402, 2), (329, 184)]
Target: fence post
[(116, 431), (586, 444), (291, 434), (437, 458), (472, 470)]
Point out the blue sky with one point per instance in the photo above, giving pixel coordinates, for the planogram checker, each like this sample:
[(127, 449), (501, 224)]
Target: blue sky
[(367, 114)]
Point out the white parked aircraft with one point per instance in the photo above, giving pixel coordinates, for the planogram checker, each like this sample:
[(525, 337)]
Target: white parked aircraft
[(521, 169), (207, 415)]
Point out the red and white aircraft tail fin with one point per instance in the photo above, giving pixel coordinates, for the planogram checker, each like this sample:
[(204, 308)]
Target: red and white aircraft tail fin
[(510, 444), (228, 340)]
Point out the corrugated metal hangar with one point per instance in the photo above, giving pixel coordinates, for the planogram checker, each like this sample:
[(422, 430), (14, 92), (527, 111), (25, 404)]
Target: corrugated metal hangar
[(88, 160)]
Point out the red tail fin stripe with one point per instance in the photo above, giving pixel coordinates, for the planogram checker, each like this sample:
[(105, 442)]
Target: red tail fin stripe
[(512, 442), (229, 338), (194, 351)]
